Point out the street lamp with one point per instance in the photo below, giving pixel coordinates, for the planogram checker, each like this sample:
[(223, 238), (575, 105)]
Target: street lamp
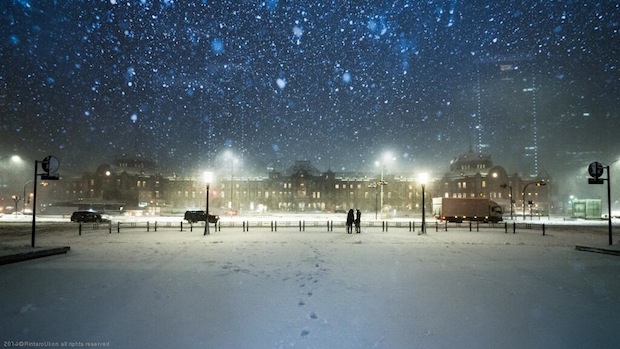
[(374, 186), (511, 200), (538, 184), (24, 203), (423, 179), (208, 178), (229, 154), (386, 157), (14, 158)]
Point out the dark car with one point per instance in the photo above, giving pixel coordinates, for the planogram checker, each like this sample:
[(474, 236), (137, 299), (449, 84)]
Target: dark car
[(200, 216), (87, 217)]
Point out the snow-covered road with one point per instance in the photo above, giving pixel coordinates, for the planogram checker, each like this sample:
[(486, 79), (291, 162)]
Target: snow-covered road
[(314, 289)]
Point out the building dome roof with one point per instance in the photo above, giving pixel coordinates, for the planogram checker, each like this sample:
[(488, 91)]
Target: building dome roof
[(471, 163)]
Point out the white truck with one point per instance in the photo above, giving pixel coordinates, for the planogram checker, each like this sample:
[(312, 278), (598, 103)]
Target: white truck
[(467, 209)]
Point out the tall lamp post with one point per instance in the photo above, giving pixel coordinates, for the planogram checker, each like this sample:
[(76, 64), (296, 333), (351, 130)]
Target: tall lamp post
[(229, 154), (538, 184), (511, 200), (24, 203), (208, 178), (374, 186), (423, 179), (16, 159), (387, 156)]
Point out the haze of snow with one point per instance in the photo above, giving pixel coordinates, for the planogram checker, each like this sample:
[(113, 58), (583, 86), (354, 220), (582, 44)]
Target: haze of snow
[(314, 289)]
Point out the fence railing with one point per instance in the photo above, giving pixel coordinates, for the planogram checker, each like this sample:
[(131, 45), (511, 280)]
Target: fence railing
[(301, 225)]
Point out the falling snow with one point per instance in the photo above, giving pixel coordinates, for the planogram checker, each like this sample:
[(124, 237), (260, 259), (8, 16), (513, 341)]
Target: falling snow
[(334, 82)]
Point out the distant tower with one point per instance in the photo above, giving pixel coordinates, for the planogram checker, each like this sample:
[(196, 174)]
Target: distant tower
[(506, 117), (531, 151)]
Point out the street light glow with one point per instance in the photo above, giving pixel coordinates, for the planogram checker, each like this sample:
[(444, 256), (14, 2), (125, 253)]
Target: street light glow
[(423, 177), (208, 177)]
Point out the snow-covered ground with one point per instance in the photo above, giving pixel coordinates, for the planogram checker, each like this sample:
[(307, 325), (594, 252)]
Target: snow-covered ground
[(313, 289)]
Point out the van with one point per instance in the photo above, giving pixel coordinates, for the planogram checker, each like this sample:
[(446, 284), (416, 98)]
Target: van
[(86, 217)]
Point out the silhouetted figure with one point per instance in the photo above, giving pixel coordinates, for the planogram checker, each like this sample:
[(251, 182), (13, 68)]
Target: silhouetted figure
[(350, 219), (358, 221)]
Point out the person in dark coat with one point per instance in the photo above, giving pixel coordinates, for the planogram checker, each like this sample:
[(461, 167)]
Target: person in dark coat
[(350, 219), (358, 221)]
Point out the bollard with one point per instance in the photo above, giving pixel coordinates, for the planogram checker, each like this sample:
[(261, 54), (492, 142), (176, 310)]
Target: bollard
[(469, 225), (181, 225), (243, 225), (148, 227), (110, 227), (413, 226), (436, 226), (543, 226), (155, 225), (477, 226), (247, 225), (327, 225), (271, 225), (446, 225), (118, 228), (299, 225), (514, 227), (304, 225), (80, 229), (505, 227), (275, 225)]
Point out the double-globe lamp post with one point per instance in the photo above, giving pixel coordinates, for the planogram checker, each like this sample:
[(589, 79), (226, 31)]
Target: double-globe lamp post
[(208, 178)]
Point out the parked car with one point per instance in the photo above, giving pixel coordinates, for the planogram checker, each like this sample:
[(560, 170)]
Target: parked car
[(87, 217), (200, 216)]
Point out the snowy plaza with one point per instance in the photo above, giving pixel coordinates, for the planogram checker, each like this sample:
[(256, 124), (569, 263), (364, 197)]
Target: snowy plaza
[(313, 289)]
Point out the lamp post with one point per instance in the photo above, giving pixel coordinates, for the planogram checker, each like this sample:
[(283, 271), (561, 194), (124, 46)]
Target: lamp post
[(374, 186), (208, 178), (387, 156), (232, 172), (505, 185), (24, 203), (15, 159), (423, 179), (538, 184), (229, 154)]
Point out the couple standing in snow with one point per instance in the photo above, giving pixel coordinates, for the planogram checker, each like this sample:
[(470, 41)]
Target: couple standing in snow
[(354, 218)]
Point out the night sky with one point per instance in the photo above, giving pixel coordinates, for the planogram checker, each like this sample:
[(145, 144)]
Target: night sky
[(334, 82)]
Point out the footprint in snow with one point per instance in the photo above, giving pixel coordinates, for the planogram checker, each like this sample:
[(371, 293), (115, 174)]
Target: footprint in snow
[(27, 308)]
